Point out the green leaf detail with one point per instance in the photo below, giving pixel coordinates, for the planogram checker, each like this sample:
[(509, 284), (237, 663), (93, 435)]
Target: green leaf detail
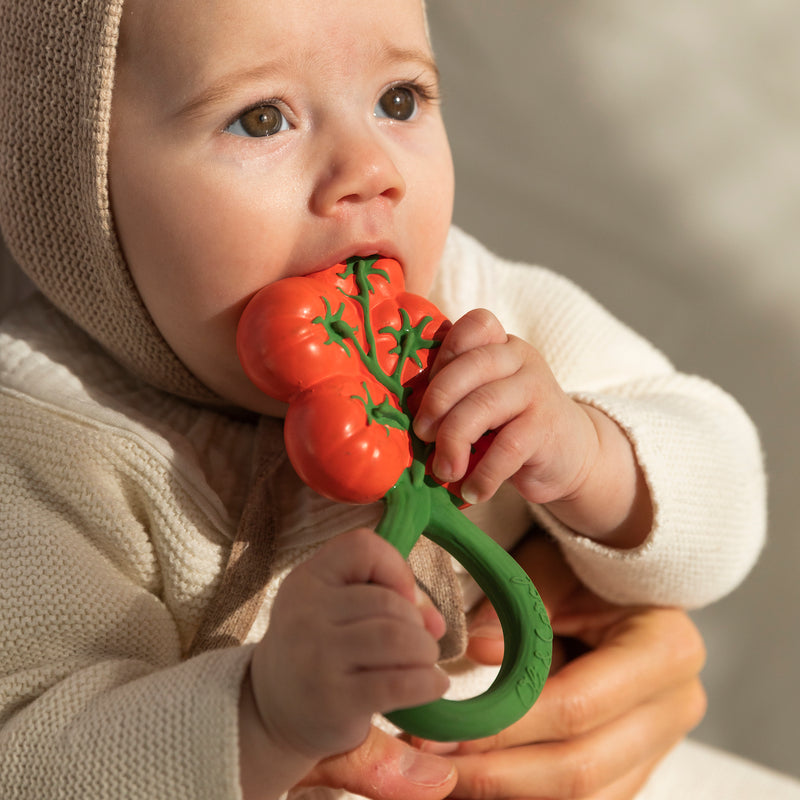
[(364, 270), (409, 340), (339, 331), (383, 413)]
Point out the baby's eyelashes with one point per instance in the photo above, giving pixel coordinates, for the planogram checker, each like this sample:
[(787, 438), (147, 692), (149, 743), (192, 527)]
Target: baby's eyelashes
[(258, 122)]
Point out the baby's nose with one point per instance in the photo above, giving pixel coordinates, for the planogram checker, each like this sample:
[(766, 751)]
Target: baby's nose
[(358, 168)]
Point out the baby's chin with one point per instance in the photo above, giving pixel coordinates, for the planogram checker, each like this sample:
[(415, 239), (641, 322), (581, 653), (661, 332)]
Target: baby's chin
[(236, 392), (253, 400)]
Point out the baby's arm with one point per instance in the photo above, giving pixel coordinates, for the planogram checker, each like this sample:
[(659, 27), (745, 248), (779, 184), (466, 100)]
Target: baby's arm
[(559, 453), (697, 450), (350, 635)]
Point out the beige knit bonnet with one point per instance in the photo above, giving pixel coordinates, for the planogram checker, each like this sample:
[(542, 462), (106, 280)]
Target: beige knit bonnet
[(56, 77), (57, 61)]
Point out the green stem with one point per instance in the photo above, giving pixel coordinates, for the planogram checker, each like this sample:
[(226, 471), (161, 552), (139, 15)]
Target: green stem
[(361, 272)]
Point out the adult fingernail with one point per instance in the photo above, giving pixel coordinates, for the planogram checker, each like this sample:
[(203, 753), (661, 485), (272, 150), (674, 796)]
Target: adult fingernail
[(485, 626), (487, 631), (438, 748), (425, 769)]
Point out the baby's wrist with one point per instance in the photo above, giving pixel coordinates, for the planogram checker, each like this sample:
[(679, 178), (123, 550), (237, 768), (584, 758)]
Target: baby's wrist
[(612, 505), (268, 767)]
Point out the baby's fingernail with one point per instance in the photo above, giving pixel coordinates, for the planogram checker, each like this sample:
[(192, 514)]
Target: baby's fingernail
[(423, 428), (425, 769), (469, 496), (443, 469)]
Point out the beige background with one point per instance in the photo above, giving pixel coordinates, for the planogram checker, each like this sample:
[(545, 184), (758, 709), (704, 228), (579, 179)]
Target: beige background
[(651, 151)]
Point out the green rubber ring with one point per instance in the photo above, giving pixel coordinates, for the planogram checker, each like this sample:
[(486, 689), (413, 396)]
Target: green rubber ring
[(412, 510)]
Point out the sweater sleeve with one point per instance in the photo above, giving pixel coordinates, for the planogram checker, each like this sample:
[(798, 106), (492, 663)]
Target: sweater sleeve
[(697, 448), (95, 698)]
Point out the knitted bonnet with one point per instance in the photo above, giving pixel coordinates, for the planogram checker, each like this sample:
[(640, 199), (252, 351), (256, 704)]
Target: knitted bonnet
[(57, 61), (56, 78)]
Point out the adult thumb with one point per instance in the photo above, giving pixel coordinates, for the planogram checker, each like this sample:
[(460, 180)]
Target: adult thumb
[(386, 768), (485, 644)]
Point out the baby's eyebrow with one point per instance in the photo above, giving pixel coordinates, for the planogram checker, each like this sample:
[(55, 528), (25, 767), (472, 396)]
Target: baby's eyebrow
[(407, 55), (221, 89)]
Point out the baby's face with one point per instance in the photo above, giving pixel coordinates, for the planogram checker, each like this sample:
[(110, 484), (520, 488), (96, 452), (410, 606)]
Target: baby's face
[(256, 139)]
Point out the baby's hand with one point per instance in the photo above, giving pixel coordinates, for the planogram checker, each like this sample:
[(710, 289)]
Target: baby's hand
[(350, 635), (556, 451), (483, 379)]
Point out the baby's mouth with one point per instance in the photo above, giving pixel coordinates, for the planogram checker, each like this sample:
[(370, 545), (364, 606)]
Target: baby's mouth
[(365, 249)]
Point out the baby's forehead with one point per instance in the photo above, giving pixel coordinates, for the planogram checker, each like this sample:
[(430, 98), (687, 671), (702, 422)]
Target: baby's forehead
[(148, 17), (178, 44)]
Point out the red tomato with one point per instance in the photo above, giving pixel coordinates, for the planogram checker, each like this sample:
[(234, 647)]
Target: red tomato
[(282, 349), (388, 319), (418, 308), (334, 446)]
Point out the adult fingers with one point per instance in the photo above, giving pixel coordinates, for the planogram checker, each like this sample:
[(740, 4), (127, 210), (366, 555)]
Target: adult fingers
[(629, 785), (626, 788), (386, 768), (642, 656), (586, 765)]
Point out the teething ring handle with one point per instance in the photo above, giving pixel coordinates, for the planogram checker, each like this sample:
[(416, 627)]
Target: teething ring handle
[(526, 628), (350, 351)]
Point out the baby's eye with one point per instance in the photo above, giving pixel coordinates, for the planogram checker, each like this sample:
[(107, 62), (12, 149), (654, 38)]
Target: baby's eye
[(264, 120), (398, 103)]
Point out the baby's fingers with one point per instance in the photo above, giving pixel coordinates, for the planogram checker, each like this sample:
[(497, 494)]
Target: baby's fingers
[(381, 643), (514, 446), (389, 689), (362, 557), (475, 329)]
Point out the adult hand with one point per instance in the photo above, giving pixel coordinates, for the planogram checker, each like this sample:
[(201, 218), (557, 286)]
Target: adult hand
[(606, 717), (386, 768)]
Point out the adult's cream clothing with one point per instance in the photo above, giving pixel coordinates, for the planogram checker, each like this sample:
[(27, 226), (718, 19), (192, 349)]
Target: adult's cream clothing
[(119, 505)]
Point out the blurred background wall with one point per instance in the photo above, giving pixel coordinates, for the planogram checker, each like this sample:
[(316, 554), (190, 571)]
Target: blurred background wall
[(651, 152)]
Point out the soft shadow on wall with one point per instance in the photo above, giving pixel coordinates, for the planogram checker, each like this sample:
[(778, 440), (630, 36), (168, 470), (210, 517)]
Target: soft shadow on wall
[(651, 152)]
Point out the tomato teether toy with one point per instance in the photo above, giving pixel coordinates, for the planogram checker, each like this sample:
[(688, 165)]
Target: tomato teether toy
[(350, 351)]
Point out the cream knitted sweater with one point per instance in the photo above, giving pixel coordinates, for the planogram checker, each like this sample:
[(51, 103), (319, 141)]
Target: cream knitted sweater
[(118, 505)]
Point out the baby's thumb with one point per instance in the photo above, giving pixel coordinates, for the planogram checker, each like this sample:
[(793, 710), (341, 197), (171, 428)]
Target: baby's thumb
[(386, 768)]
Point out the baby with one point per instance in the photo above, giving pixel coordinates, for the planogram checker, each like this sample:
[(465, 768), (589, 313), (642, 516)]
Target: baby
[(231, 145)]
